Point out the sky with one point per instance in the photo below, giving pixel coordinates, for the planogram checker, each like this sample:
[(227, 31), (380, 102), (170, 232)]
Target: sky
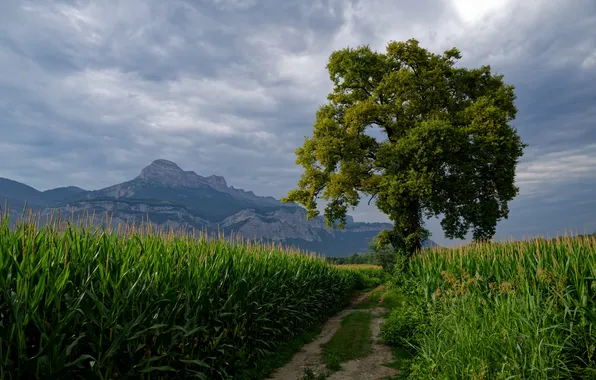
[(93, 91)]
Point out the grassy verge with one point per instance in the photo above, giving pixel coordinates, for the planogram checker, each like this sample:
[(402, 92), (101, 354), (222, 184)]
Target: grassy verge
[(352, 341), (523, 310), (402, 359), (391, 299)]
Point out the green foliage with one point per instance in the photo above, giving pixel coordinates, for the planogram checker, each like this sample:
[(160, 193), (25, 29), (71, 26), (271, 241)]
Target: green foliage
[(364, 277), (399, 270), (355, 258), (512, 337), (382, 255), (392, 299), (522, 310), (448, 148), (385, 256), (80, 303), (402, 324), (332, 362)]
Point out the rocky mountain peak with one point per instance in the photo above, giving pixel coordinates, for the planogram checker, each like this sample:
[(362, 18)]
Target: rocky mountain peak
[(165, 163), (162, 170), (169, 173)]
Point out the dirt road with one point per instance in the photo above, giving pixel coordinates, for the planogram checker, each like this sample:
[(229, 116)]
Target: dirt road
[(367, 368)]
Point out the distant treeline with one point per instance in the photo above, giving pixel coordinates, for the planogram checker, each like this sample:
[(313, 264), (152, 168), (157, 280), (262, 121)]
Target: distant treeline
[(355, 258), (383, 256)]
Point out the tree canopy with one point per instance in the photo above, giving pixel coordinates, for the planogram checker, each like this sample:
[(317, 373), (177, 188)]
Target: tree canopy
[(443, 144)]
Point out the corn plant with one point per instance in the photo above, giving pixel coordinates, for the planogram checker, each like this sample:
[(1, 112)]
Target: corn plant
[(82, 301)]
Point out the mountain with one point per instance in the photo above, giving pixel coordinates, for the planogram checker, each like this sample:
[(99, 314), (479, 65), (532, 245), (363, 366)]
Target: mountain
[(172, 197), (62, 194), (16, 193)]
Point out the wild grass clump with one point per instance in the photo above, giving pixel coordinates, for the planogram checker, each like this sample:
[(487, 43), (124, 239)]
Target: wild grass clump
[(519, 310), (85, 303)]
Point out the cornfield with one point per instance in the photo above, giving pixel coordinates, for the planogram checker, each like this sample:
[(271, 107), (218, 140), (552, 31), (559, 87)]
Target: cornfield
[(516, 310), (563, 268), (93, 303)]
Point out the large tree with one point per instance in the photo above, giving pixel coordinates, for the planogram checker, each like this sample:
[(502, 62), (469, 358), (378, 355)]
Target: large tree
[(446, 146)]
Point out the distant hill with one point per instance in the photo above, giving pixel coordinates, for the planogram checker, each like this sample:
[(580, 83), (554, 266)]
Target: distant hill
[(172, 197), (62, 194)]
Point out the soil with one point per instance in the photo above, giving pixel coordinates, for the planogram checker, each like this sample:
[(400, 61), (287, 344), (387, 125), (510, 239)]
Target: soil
[(367, 368)]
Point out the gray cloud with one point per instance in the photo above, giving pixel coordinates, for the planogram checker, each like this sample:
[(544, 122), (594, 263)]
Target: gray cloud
[(90, 91)]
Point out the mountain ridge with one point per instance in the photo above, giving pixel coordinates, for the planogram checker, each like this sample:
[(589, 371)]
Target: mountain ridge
[(172, 197)]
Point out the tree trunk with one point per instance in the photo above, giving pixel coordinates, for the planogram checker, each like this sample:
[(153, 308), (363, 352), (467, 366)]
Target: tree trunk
[(413, 228), (407, 229)]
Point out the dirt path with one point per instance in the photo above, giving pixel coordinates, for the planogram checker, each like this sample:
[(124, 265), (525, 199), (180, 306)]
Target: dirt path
[(367, 368)]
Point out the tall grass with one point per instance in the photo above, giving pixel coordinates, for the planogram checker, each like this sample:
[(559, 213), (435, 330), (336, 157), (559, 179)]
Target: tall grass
[(518, 310), (93, 303)]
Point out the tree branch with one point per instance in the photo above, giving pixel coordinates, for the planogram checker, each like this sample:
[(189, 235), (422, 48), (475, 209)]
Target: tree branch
[(371, 198), (365, 90)]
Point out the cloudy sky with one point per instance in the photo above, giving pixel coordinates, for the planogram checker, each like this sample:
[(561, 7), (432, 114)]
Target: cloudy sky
[(93, 91)]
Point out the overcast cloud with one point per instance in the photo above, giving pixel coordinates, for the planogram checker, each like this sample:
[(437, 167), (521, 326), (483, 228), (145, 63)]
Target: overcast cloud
[(93, 91)]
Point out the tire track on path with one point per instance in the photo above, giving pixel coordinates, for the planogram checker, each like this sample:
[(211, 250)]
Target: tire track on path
[(367, 368)]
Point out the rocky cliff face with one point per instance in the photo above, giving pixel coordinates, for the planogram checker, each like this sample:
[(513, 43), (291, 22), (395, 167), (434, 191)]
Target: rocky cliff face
[(277, 225), (171, 197), (127, 213)]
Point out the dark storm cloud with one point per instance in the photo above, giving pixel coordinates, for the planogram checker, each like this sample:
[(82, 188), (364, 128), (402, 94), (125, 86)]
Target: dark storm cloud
[(93, 91)]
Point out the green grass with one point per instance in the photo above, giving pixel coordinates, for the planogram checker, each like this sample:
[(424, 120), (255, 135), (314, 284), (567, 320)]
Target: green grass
[(402, 356), (309, 374), (518, 310), (391, 299), (371, 302), (352, 341), (79, 302)]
